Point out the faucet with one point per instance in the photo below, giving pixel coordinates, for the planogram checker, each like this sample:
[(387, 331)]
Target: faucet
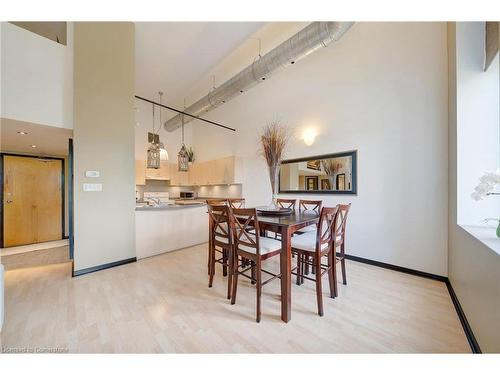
[(156, 201)]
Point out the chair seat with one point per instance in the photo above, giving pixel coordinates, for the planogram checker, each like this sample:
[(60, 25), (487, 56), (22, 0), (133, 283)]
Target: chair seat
[(267, 245), (310, 228), (306, 242), (219, 234)]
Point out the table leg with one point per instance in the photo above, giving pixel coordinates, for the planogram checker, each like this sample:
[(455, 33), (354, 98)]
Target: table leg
[(286, 275)]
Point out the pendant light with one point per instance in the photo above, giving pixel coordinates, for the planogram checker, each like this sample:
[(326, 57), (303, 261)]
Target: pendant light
[(153, 154), (182, 156), (163, 150)]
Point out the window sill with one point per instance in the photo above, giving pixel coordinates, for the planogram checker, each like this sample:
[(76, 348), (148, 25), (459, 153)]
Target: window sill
[(486, 235)]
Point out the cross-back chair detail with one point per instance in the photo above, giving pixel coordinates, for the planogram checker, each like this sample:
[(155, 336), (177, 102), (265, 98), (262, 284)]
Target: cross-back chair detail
[(339, 240), (311, 247), (287, 203), (220, 241), (236, 202), (249, 245), (310, 205), (216, 202)]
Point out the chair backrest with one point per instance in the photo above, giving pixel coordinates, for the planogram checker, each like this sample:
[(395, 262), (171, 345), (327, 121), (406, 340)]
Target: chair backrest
[(326, 228), (308, 205), (236, 202), (287, 203), (243, 221), (219, 223), (340, 225), (216, 202)]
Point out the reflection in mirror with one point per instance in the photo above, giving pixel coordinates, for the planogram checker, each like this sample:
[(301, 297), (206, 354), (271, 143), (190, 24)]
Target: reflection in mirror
[(334, 174)]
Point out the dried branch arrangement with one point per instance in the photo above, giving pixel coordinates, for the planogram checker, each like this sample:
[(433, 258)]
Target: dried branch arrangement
[(329, 166), (273, 142)]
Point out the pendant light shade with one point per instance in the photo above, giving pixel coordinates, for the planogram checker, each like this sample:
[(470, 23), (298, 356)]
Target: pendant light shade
[(183, 159), (183, 156), (153, 156), (156, 152), (163, 152)]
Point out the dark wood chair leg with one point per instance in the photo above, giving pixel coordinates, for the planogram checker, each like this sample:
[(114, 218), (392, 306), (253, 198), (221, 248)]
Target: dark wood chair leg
[(319, 290), (334, 262), (253, 264), (259, 288), (224, 260), (303, 259), (306, 264), (235, 283), (230, 262), (299, 267), (344, 278), (331, 276), (342, 263), (211, 265)]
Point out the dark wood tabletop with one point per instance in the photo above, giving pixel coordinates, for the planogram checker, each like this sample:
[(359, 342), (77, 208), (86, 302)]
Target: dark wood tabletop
[(294, 218), (286, 225)]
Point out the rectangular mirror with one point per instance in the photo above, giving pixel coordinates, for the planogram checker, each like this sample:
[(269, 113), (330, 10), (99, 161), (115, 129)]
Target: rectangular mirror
[(323, 174)]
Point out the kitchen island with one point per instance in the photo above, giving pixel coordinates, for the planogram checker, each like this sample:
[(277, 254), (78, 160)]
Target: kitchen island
[(164, 228)]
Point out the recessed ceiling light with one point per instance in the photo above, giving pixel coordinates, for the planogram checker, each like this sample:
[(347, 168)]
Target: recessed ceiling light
[(22, 133), (137, 124), (33, 146)]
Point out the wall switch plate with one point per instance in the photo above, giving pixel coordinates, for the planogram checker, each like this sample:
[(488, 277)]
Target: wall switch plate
[(92, 187), (92, 174)]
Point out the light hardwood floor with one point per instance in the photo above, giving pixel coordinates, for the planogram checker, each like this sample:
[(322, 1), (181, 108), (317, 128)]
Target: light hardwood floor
[(163, 304)]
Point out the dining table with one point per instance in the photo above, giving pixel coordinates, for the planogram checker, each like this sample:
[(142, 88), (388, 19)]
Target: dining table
[(287, 225)]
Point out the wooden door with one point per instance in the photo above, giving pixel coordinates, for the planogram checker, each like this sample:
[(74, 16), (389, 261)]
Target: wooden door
[(32, 200)]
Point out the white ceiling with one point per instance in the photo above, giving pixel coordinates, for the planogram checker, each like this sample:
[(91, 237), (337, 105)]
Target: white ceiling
[(174, 56), (50, 140)]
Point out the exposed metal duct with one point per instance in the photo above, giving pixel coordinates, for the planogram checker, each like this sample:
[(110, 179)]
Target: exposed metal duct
[(305, 42)]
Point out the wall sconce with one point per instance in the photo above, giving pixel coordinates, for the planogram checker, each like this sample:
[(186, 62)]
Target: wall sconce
[(309, 136)]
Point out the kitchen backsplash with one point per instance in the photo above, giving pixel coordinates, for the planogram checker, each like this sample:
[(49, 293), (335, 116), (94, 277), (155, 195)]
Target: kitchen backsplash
[(217, 191)]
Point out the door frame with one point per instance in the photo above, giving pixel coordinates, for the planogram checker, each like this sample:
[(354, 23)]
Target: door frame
[(63, 193)]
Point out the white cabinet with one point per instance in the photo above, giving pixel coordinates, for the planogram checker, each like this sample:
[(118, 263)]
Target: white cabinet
[(159, 231), (162, 173), (222, 171), (178, 178), (140, 172)]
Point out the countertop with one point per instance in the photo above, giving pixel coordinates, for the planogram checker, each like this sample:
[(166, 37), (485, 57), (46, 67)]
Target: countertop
[(180, 204)]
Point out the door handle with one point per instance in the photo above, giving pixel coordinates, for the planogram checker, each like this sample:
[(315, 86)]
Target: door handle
[(8, 201)]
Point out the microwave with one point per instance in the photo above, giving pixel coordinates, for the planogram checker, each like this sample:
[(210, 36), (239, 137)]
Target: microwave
[(187, 195)]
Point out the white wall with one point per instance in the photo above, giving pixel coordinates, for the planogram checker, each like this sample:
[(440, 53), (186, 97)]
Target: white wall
[(474, 269), (478, 128), (381, 90), (104, 141), (36, 77)]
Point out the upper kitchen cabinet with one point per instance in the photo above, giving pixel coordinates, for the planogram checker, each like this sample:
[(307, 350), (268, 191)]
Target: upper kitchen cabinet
[(222, 171), (162, 173), (178, 178), (140, 172)]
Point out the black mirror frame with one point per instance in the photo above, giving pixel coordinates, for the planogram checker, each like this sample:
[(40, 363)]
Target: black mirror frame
[(353, 191)]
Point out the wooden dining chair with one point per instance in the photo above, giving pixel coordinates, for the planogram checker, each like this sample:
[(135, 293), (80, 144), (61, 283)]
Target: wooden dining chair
[(220, 242), (236, 202), (316, 245), (244, 223), (216, 202), (310, 206), (339, 240), (286, 203)]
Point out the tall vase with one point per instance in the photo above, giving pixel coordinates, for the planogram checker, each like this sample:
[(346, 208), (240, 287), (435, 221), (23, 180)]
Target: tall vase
[(274, 171)]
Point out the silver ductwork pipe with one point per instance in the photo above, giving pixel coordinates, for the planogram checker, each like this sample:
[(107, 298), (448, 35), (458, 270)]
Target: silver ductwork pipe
[(306, 41)]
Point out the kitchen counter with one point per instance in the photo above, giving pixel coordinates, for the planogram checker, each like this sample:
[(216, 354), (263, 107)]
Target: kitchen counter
[(170, 206), (167, 228)]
